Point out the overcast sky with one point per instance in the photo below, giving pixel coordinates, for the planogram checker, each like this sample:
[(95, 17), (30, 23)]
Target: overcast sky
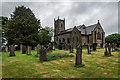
[(75, 13)]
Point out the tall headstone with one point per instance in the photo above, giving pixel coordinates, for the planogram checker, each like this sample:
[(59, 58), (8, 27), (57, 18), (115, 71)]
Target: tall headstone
[(67, 47), (43, 56), (109, 49), (89, 49), (38, 49), (23, 49), (94, 46), (6, 48), (28, 50), (78, 55), (12, 50), (106, 52), (71, 49)]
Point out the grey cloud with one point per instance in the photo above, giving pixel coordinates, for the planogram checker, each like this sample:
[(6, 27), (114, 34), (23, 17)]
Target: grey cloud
[(75, 13)]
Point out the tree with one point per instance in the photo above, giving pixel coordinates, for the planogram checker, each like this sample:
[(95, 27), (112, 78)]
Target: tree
[(113, 38), (23, 27), (45, 35), (3, 26)]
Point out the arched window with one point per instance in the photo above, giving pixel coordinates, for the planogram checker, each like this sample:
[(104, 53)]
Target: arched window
[(59, 41), (77, 39), (68, 40), (98, 35), (63, 40)]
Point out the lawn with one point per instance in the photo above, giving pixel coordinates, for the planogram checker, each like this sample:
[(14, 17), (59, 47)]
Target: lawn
[(29, 66)]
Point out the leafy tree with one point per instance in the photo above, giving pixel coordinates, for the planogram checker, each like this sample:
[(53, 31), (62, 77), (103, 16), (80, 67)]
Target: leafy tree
[(113, 38), (23, 27), (3, 26), (45, 35)]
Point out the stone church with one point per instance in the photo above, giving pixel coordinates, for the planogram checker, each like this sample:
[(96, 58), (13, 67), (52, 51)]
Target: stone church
[(83, 35)]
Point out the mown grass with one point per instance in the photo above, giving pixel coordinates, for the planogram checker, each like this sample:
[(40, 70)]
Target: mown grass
[(29, 66)]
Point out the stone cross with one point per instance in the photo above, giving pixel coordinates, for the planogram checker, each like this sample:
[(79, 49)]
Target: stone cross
[(23, 49), (109, 49), (78, 55), (106, 52), (12, 50), (43, 56), (28, 50)]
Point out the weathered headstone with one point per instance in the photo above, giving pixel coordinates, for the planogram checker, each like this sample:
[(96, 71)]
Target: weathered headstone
[(6, 48), (109, 49), (67, 47), (38, 49), (50, 47), (28, 50), (78, 55), (12, 50), (43, 56), (106, 52), (53, 47), (89, 49), (94, 47), (23, 49), (35, 48)]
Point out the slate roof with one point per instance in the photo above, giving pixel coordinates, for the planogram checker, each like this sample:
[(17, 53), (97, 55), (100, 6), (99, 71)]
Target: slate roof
[(85, 31)]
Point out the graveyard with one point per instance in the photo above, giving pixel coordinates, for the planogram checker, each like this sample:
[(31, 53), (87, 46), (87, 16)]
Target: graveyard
[(29, 66), (30, 50)]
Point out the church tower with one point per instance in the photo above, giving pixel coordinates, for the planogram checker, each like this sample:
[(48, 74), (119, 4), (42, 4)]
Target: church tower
[(59, 25)]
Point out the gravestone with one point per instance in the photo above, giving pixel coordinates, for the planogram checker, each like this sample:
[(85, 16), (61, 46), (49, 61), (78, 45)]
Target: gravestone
[(113, 47), (50, 47), (28, 50), (106, 52), (23, 49), (38, 49), (12, 50), (35, 48), (94, 46), (109, 49), (6, 48), (89, 49), (43, 56), (53, 47), (78, 55), (67, 47), (71, 49)]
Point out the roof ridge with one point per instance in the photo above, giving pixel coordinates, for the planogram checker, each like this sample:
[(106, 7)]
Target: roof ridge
[(91, 25)]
